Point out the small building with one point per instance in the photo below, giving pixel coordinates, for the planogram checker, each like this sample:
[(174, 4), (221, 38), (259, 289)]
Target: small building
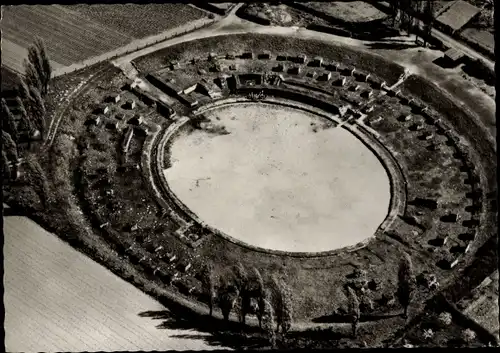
[(110, 124), (102, 109), (247, 55), (266, 55), (376, 120), (405, 117), (361, 76), (93, 120), (454, 56), (354, 88), (312, 74), (279, 68), (142, 130), (232, 67), (230, 56), (301, 59), (136, 120), (114, 98), (282, 57), (183, 266), (130, 104), (367, 94), (296, 70), (119, 116), (456, 16), (346, 70), (341, 81), (316, 62), (325, 77), (331, 66)]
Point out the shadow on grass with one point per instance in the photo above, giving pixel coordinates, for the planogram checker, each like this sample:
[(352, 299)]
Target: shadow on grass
[(218, 333), (339, 318), (390, 45), (213, 331), (444, 63)]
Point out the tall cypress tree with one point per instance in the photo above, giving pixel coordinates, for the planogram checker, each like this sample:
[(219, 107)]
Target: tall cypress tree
[(32, 75), (45, 63), (406, 283), (10, 124)]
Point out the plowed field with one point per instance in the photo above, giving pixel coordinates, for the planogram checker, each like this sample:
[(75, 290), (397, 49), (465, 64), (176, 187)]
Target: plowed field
[(57, 299)]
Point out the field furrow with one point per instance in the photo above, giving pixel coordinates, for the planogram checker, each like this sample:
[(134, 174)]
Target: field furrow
[(69, 38)]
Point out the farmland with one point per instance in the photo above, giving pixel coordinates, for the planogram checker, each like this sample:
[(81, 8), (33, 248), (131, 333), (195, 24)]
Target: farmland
[(139, 20), (57, 299), (75, 33)]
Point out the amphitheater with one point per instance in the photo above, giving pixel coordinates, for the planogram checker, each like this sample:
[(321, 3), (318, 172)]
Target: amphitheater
[(308, 162)]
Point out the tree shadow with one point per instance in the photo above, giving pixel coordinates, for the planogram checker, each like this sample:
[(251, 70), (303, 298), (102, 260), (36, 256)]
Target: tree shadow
[(340, 318), (213, 331), (390, 45)]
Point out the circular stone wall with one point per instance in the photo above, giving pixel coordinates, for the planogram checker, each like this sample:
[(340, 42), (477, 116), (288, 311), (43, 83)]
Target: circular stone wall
[(279, 178)]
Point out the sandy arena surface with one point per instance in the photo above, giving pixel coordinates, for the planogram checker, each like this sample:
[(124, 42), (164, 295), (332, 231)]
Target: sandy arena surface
[(283, 179), (57, 299)]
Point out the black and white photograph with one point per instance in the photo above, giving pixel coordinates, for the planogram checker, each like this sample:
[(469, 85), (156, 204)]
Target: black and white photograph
[(257, 175)]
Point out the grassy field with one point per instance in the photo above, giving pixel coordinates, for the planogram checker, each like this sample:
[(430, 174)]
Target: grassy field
[(77, 32), (348, 11), (57, 299)]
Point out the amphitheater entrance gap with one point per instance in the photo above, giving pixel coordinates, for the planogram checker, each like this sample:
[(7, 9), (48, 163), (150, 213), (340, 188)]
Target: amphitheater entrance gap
[(279, 178)]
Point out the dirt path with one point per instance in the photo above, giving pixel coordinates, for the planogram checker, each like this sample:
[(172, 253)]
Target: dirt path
[(57, 299)]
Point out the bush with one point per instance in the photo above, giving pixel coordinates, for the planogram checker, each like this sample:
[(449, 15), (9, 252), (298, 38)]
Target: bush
[(468, 335), (444, 319)]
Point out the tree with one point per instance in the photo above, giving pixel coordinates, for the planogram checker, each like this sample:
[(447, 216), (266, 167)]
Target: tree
[(9, 146), (36, 178), (45, 63), (32, 75), (228, 294), (23, 89), (353, 309), (428, 16), (260, 290), (7, 171), (282, 304), (208, 283), (10, 124), (268, 319), (406, 282), (37, 108)]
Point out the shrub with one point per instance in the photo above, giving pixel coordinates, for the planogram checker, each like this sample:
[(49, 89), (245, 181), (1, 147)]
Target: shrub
[(445, 318), (468, 335)]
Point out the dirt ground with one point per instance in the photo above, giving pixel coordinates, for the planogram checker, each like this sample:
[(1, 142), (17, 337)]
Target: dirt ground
[(263, 171), (57, 299)]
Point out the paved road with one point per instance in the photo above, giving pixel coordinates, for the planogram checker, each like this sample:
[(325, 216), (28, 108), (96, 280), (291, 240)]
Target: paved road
[(57, 299)]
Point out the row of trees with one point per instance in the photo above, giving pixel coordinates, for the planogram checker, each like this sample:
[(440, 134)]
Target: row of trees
[(407, 285), (408, 13), (271, 302), (30, 104)]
